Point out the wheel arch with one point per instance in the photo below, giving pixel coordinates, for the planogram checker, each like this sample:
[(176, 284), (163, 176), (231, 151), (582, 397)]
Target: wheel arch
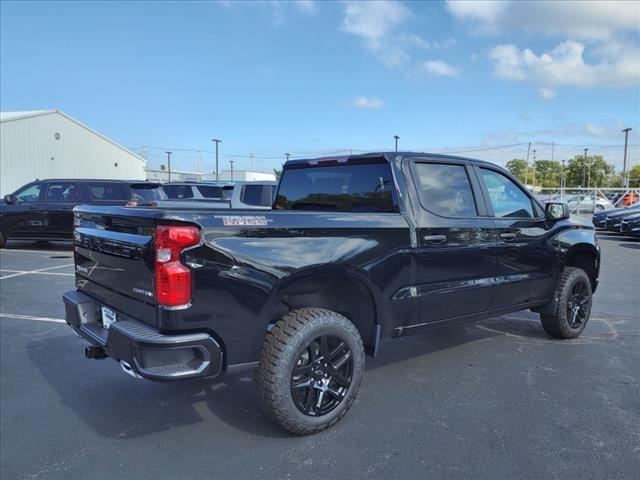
[(586, 257), (344, 290)]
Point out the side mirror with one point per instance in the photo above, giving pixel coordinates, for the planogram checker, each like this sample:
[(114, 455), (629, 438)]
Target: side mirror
[(10, 199), (556, 211)]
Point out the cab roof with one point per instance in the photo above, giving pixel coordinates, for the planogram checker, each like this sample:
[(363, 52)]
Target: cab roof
[(374, 157)]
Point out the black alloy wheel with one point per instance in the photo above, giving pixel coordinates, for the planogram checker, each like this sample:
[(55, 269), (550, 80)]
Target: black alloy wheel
[(322, 375)]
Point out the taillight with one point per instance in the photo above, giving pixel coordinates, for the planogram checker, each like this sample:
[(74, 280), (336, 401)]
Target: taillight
[(173, 279)]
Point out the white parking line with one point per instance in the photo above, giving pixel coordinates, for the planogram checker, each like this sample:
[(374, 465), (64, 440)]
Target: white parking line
[(17, 316), (62, 252), (36, 271), (25, 272)]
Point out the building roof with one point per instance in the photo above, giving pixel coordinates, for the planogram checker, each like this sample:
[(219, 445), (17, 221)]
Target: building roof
[(7, 116), (13, 116)]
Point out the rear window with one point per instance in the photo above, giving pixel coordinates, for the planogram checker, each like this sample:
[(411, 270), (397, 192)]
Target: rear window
[(257, 195), (177, 192), (208, 191), (148, 193), (109, 191), (347, 188)]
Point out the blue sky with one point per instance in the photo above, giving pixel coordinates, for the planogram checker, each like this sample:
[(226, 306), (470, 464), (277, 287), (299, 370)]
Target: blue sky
[(310, 77)]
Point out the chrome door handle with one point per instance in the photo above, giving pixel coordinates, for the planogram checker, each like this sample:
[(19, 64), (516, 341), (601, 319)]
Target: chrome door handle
[(435, 238), (508, 236)]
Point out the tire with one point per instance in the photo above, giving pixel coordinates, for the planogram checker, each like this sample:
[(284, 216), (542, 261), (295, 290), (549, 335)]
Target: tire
[(296, 341), (599, 208), (3, 240), (574, 305)]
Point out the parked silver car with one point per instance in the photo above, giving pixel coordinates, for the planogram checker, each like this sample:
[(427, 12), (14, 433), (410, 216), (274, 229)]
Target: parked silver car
[(581, 203)]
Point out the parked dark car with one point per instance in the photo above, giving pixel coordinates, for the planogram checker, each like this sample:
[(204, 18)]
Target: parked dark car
[(358, 250), (631, 225), (599, 219), (614, 219), (43, 210)]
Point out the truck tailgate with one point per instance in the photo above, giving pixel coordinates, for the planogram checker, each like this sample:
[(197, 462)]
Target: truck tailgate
[(116, 253)]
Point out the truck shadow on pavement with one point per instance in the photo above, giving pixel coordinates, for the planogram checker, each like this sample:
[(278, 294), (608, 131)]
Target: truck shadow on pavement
[(117, 406)]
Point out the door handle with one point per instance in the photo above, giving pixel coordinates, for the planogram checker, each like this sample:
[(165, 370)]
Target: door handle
[(508, 235), (435, 238)]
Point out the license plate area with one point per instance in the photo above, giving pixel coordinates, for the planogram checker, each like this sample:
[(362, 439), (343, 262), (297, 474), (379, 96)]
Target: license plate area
[(108, 317)]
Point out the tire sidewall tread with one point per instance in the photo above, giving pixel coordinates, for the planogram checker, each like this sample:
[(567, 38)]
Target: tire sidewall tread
[(282, 347)]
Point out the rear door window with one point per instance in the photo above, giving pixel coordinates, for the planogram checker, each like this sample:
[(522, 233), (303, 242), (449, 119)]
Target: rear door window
[(445, 189), (109, 191), (178, 192), (345, 188), (63, 192)]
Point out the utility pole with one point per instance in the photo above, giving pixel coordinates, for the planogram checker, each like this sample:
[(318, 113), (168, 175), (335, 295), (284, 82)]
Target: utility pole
[(251, 157), (533, 182), (587, 167), (287, 155), (217, 172), (563, 180), (526, 170), (169, 163), (397, 138), (231, 163), (625, 178)]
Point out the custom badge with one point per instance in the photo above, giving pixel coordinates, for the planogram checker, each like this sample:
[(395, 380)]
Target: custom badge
[(243, 220)]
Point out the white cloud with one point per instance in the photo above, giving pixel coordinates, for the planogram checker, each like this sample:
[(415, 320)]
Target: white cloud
[(440, 68), (306, 6), (565, 65), (547, 93), (576, 19), (368, 103), (375, 23)]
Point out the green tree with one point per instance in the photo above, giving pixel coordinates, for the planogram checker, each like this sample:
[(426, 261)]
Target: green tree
[(548, 173), (518, 169), (594, 167), (277, 173), (634, 177)]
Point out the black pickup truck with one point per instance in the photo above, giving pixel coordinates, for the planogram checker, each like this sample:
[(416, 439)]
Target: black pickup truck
[(357, 250)]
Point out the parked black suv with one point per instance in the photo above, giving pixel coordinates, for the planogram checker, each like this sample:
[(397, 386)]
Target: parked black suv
[(43, 210), (357, 250)]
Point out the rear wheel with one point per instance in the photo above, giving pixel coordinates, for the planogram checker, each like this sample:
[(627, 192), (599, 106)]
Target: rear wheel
[(599, 208), (310, 370), (574, 305)]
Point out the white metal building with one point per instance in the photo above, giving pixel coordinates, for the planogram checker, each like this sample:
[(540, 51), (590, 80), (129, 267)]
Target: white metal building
[(50, 144)]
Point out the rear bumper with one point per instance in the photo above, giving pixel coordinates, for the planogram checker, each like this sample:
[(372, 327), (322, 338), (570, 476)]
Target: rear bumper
[(140, 348)]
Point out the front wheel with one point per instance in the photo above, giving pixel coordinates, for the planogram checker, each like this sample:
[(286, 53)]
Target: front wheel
[(574, 305), (599, 208), (310, 370)]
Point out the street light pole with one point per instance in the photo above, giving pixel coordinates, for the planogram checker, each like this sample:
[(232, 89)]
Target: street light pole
[(287, 155), (397, 138), (231, 162), (216, 142), (169, 163), (625, 178)]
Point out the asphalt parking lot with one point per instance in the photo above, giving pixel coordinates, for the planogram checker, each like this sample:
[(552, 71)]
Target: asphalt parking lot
[(498, 399)]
